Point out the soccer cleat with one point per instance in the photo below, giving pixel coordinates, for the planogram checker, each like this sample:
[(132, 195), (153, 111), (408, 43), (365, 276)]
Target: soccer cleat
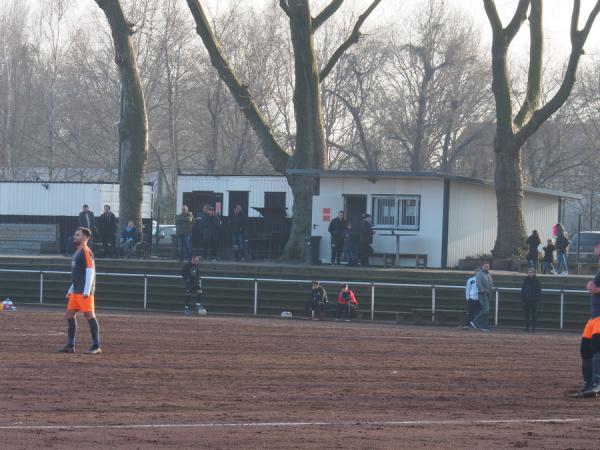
[(485, 329), (93, 351), (67, 349)]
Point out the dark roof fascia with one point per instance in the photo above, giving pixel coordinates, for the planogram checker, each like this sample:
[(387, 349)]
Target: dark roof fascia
[(373, 175), (228, 175), (149, 183)]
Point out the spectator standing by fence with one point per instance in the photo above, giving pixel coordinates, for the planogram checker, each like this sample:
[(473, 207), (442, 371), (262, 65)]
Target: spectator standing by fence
[(533, 242), (562, 244), (239, 228), (336, 230), (531, 294), (472, 296), (190, 273), (86, 220), (107, 226), (350, 245), (485, 289), (183, 232), (548, 265), (208, 231), (365, 239)]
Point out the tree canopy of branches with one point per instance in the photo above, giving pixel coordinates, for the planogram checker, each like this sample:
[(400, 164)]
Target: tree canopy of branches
[(310, 149)]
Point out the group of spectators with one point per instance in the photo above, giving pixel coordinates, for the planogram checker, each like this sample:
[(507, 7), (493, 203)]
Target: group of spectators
[(560, 246), (205, 227), (104, 228), (350, 244), (480, 288)]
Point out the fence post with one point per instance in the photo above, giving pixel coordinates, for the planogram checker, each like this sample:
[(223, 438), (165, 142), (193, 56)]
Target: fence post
[(562, 307), (41, 287), (372, 301), (433, 303), (497, 303), (145, 291), (255, 297)]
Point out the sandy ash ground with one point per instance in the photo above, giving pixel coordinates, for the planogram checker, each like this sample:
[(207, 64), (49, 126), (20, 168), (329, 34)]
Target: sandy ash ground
[(167, 381)]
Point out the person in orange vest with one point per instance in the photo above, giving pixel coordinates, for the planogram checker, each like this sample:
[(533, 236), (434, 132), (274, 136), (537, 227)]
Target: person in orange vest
[(346, 304)]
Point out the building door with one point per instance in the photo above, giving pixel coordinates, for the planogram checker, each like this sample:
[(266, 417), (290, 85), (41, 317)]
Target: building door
[(354, 208), (238, 198)]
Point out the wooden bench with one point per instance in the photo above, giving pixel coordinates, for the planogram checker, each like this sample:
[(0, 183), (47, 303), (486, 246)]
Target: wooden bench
[(389, 259), (442, 316)]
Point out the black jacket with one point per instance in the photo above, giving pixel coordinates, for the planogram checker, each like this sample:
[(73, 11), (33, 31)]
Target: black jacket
[(191, 276), (366, 233), (208, 227), (319, 296), (239, 223), (549, 252), (337, 228), (531, 291), (533, 242), (107, 224), (82, 222), (562, 243)]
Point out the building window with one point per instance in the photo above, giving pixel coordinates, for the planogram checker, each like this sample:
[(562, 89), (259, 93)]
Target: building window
[(398, 212)]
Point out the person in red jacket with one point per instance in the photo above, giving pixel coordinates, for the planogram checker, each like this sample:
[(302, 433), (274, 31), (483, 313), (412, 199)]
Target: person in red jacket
[(346, 303)]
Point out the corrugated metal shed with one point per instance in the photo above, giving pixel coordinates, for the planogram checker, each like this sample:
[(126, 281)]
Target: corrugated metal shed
[(63, 199), (255, 185)]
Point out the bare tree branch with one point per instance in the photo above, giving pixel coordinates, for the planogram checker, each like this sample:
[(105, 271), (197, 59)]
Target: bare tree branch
[(352, 39), (327, 12), (274, 152)]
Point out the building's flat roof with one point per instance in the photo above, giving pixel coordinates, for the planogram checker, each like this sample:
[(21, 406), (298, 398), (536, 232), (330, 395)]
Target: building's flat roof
[(374, 175)]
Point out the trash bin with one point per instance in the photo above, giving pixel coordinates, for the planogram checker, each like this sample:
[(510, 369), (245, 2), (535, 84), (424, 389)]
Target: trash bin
[(311, 250)]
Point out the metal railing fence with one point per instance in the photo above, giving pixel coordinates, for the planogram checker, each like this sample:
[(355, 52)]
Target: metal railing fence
[(256, 281)]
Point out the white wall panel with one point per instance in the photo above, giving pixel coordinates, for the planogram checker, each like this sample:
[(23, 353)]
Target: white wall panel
[(63, 199)]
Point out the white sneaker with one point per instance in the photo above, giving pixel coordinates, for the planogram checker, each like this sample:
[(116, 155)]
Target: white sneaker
[(553, 271), (565, 273)]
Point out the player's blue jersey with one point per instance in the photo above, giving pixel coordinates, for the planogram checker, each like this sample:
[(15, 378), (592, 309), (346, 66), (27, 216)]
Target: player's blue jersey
[(83, 271)]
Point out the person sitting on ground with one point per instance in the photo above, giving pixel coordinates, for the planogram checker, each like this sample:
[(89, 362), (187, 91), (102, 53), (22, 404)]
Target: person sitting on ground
[(317, 303), (129, 237), (531, 293), (346, 304), (193, 285)]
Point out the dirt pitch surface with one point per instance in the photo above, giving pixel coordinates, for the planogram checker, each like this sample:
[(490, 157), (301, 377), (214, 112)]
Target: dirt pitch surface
[(167, 381)]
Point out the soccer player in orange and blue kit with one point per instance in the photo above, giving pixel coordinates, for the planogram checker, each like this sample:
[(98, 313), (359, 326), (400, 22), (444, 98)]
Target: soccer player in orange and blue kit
[(81, 292), (590, 344)]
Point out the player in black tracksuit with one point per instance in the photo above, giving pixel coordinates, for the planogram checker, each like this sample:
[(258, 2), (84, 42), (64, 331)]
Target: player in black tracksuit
[(193, 285)]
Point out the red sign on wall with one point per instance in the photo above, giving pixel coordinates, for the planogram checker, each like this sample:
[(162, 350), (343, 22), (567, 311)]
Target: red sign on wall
[(326, 214)]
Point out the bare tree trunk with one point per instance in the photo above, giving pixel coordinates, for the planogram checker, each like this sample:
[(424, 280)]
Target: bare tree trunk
[(512, 133), (133, 122)]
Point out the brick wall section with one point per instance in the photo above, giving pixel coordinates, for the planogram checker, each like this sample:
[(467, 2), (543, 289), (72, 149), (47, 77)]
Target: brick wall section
[(30, 239)]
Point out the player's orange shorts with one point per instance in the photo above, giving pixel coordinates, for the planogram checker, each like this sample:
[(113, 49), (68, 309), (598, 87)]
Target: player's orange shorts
[(78, 303), (591, 327)]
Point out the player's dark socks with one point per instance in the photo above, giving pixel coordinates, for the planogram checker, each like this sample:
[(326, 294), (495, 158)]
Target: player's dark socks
[(72, 330), (94, 331), (587, 371)]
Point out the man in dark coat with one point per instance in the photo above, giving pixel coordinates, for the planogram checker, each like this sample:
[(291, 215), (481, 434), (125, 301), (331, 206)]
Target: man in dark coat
[(239, 224), (107, 226), (531, 293), (208, 231), (365, 239), (336, 229)]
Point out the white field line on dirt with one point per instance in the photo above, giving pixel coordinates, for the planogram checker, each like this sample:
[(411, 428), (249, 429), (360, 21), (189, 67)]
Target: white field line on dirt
[(354, 423)]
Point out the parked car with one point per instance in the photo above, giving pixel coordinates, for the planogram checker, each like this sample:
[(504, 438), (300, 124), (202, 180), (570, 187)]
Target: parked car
[(588, 242), (164, 243)]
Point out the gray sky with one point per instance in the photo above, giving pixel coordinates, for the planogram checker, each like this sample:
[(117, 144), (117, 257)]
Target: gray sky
[(557, 14)]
